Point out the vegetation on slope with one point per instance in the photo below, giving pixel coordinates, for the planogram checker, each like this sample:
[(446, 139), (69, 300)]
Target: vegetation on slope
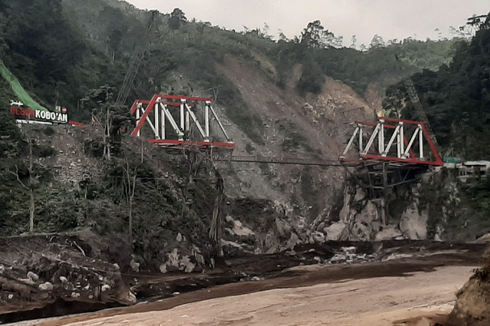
[(60, 50), (456, 99), (66, 51)]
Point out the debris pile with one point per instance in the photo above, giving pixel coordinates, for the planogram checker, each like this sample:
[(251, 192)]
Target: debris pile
[(348, 255), (39, 271)]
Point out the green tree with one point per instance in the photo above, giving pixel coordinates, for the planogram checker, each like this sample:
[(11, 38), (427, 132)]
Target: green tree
[(177, 19), (315, 35)]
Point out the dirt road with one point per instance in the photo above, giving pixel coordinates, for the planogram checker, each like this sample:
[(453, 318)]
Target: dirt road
[(322, 295)]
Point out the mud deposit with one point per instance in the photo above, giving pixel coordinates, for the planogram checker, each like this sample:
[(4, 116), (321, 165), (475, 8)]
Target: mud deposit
[(244, 275)]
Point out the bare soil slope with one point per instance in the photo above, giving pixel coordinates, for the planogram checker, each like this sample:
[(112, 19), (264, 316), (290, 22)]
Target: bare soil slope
[(292, 126)]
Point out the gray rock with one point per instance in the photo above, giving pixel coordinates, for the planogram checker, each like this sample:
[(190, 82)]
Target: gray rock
[(338, 258), (349, 250), (46, 287), (33, 276), (360, 194), (388, 233), (334, 231), (283, 227), (413, 224), (135, 267), (318, 237)]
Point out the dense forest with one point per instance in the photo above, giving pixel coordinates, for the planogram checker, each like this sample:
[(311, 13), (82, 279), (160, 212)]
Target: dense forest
[(456, 97)]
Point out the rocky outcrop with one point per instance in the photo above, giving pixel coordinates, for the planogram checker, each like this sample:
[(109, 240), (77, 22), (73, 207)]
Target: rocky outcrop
[(366, 219), (277, 227), (472, 307), (45, 269), (413, 223)]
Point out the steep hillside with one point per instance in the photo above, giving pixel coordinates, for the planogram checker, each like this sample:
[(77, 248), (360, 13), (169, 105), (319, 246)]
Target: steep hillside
[(292, 126), (456, 101), (286, 98)]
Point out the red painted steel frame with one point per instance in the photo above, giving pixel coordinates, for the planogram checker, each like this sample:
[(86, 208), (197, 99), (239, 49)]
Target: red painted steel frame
[(151, 105), (413, 160), (143, 118), (77, 124), (171, 142)]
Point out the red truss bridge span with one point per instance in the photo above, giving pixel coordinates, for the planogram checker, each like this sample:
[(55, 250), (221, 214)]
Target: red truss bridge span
[(392, 141), (180, 122)]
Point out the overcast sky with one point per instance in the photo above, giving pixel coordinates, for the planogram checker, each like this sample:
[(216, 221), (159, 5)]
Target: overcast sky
[(391, 19)]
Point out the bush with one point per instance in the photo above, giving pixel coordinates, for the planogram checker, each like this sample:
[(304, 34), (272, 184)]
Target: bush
[(311, 80), (49, 131), (46, 151), (94, 147)]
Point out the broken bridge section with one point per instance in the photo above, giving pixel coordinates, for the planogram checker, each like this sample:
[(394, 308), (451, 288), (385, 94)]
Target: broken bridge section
[(399, 142), (388, 154), (180, 122)]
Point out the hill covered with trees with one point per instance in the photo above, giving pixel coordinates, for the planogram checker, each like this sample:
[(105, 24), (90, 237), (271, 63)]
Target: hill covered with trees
[(456, 96), (61, 50)]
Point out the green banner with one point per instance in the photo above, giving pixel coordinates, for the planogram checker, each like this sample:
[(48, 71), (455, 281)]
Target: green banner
[(19, 91)]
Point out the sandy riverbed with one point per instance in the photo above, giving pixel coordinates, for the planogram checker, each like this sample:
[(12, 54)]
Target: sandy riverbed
[(417, 299)]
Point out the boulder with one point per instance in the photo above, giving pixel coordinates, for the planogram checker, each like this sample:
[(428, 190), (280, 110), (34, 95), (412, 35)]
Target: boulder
[(388, 233), (293, 241), (46, 287), (360, 194), (334, 231), (33, 276), (344, 214), (135, 267), (317, 237), (413, 224), (238, 228), (176, 261), (179, 238)]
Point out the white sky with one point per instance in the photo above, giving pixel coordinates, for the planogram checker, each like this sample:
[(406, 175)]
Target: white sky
[(364, 18)]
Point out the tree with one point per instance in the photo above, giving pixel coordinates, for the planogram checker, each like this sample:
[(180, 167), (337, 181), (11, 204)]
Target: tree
[(116, 26), (353, 42), (129, 191), (114, 117), (479, 22), (216, 228), (377, 42), (177, 19), (315, 35), (33, 181)]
